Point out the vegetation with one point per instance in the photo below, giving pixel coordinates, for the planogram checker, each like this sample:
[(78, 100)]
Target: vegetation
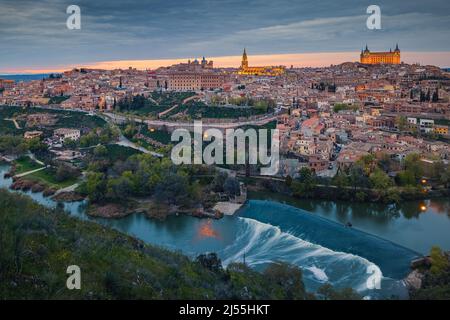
[(343, 107), (58, 99), (101, 136), (368, 180), (56, 178), (25, 164), (65, 119), (436, 281), (199, 110), (139, 175), (155, 103), (14, 145), (38, 244)]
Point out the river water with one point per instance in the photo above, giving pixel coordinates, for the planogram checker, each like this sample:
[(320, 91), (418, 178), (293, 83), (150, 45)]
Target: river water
[(311, 235)]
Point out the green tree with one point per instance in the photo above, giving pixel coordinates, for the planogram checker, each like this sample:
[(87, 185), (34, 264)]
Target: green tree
[(289, 277), (439, 261), (413, 164), (100, 151), (380, 180), (95, 186), (357, 177), (304, 184), (402, 123)]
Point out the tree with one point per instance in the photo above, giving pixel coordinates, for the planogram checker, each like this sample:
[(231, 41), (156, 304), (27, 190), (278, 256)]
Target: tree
[(380, 180), (444, 176), (357, 177), (119, 188), (402, 123), (340, 180), (435, 97), (439, 261), (65, 172), (304, 184), (412, 164), (70, 143), (327, 292), (210, 261), (13, 145), (406, 178), (219, 181), (368, 163), (173, 189), (289, 277), (130, 130), (95, 186), (100, 151), (288, 180), (232, 187)]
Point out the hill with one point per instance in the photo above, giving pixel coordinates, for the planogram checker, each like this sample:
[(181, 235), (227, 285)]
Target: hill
[(38, 244)]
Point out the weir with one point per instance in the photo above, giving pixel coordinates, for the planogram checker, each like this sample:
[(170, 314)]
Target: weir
[(394, 260)]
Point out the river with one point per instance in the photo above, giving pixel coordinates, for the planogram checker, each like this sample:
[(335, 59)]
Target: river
[(311, 234)]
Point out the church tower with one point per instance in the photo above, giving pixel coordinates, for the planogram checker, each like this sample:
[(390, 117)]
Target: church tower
[(244, 63)]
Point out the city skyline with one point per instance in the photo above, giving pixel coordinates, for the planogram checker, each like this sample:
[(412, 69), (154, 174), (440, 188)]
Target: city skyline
[(35, 36), (299, 60)]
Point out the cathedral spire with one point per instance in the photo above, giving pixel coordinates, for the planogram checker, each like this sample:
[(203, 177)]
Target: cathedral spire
[(244, 63)]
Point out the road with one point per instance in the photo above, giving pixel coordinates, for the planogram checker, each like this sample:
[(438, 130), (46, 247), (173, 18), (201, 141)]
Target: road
[(67, 189), (15, 123), (29, 172), (170, 124), (123, 141)]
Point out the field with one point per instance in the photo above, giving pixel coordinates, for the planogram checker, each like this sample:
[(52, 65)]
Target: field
[(116, 152), (25, 164), (47, 178), (199, 110)]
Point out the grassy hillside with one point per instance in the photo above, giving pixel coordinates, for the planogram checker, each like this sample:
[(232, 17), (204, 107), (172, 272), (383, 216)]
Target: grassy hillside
[(38, 244)]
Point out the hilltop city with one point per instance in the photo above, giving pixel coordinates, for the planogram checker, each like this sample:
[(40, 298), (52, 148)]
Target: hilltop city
[(328, 117), (98, 144)]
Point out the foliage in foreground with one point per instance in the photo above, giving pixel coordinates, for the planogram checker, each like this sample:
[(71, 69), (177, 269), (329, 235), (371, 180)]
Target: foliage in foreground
[(38, 244), (436, 282)]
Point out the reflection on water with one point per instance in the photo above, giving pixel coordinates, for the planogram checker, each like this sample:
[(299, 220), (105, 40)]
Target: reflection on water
[(417, 225), (206, 230)]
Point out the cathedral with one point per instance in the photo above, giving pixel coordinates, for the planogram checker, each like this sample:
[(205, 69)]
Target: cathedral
[(259, 71), (391, 57)]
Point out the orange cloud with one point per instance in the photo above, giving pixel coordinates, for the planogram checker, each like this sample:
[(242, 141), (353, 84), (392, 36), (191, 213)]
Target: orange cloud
[(297, 60)]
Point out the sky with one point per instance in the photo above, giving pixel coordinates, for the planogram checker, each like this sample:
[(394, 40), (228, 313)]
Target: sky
[(148, 33)]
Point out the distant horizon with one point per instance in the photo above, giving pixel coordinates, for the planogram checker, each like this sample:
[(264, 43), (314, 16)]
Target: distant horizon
[(298, 60)]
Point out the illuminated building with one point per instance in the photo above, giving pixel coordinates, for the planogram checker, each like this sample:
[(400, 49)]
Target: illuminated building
[(391, 57), (259, 71)]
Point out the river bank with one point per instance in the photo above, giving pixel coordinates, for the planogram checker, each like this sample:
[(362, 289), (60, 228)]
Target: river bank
[(328, 192), (264, 232)]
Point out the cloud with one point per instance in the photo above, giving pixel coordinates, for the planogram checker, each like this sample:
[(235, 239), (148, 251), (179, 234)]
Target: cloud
[(34, 33)]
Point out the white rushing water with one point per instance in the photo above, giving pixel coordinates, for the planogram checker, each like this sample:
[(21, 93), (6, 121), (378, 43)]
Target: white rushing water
[(260, 244)]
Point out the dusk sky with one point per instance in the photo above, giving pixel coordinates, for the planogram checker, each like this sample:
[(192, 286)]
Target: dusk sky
[(34, 36)]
